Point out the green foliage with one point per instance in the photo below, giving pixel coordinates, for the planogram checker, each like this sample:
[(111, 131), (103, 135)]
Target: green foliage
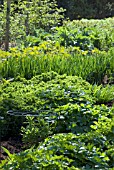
[(36, 130), (103, 94), (35, 60), (61, 103), (20, 96), (75, 118), (87, 34), (83, 48), (66, 151), (40, 35), (62, 117), (26, 16)]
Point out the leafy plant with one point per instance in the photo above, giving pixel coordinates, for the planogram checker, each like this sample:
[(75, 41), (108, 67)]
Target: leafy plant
[(103, 94), (62, 103), (65, 151), (35, 131), (86, 34)]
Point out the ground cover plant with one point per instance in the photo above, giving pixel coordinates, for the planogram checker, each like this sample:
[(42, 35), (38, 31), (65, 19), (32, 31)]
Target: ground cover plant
[(85, 34), (63, 105)]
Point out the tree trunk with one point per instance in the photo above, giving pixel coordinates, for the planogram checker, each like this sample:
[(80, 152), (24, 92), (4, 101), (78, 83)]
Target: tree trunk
[(7, 34), (27, 18)]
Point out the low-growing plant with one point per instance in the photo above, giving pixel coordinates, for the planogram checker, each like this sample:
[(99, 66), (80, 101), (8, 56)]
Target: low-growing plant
[(103, 94), (65, 151), (36, 130), (64, 124), (65, 102), (75, 118)]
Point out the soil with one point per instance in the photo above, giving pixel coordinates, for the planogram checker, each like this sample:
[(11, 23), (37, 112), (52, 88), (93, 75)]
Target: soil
[(14, 145)]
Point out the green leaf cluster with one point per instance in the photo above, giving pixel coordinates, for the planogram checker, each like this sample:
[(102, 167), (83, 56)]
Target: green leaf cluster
[(87, 34), (66, 151), (66, 102), (26, 16)]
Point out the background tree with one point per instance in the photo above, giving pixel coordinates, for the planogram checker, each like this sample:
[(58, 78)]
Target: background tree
[(77, 9), (26, 17), (7, 35)]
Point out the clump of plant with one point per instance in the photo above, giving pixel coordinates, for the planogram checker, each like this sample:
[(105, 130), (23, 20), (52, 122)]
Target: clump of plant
[(86, 34), (75, 118), (31, 61), (63, 123), (66, 151), (65, 102)]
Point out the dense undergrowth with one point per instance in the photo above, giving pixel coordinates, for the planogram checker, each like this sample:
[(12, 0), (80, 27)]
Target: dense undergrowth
[(57, 91), (63, 105)]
